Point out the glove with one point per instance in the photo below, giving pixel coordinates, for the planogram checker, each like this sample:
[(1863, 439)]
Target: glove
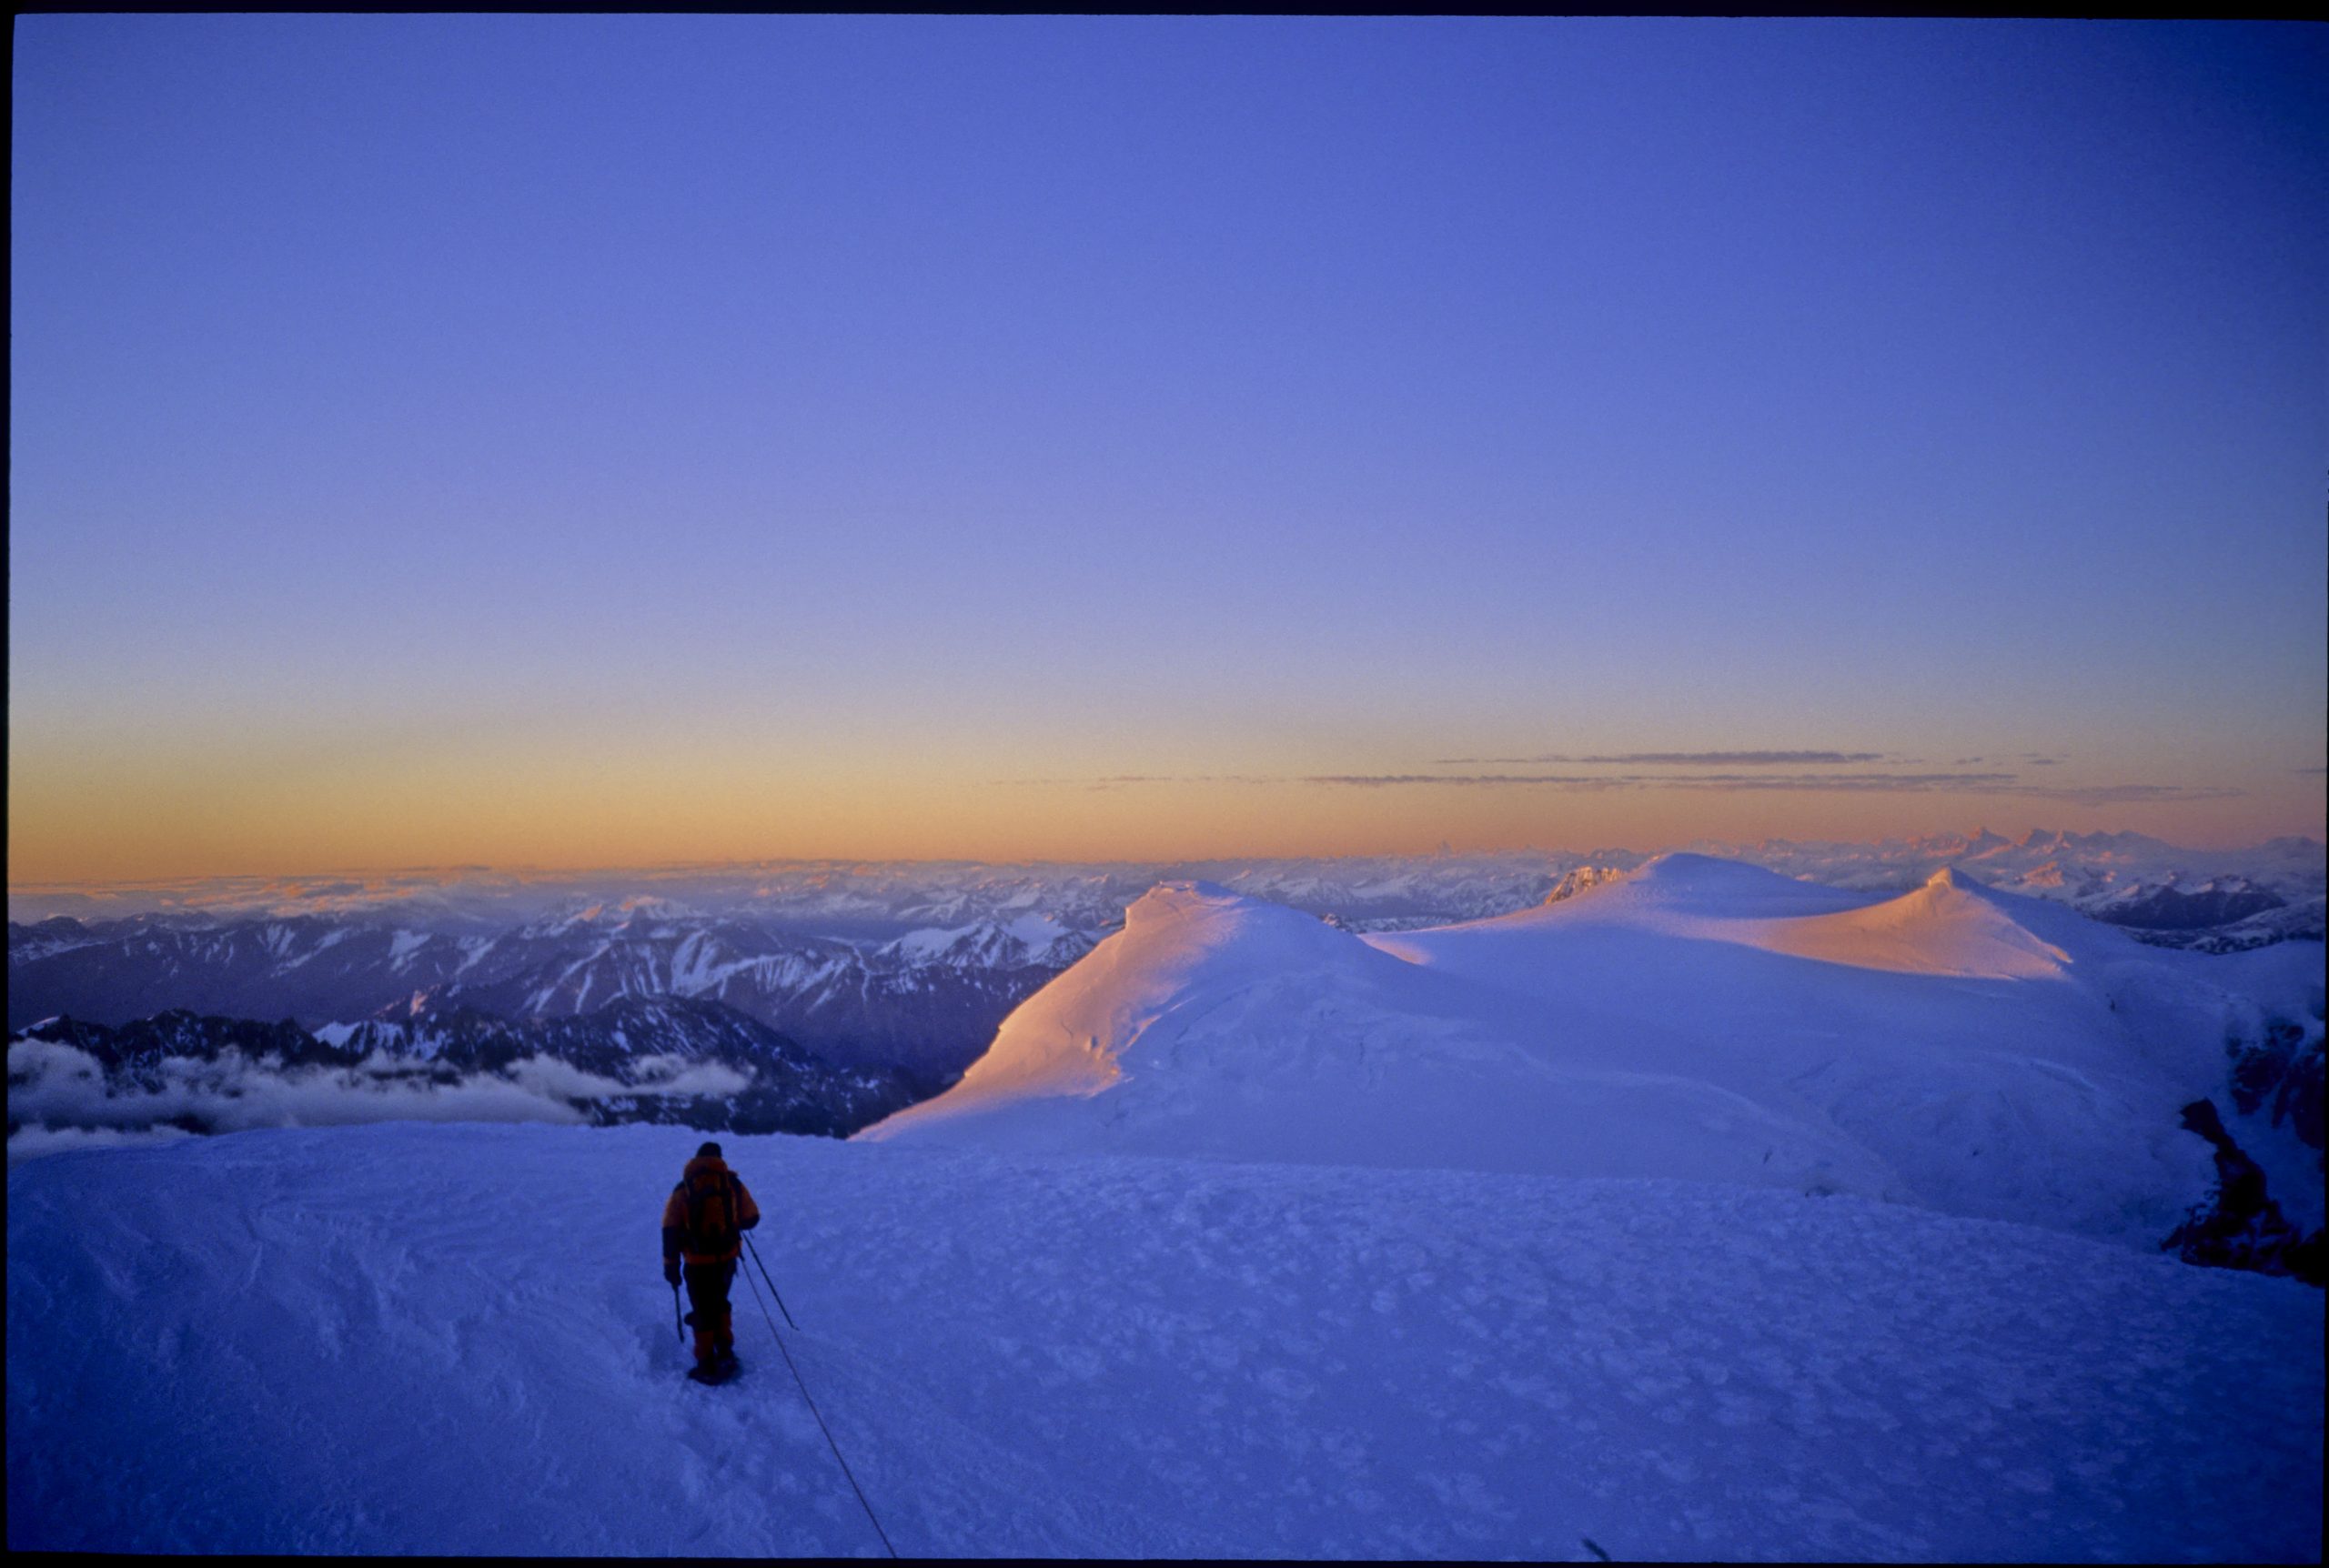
[(670, 1271)]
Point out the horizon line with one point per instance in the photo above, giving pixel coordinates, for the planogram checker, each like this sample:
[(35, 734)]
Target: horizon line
[(55, 885)]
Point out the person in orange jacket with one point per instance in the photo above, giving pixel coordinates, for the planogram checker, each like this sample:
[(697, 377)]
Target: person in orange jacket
[(703, 1225)]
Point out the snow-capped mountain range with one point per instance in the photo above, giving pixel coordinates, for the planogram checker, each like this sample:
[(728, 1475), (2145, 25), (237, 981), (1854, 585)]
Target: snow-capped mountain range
[(912, 964), (900, 970), (924, 1001)]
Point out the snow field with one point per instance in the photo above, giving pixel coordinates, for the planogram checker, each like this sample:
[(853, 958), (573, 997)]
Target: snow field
[(456, 1339)]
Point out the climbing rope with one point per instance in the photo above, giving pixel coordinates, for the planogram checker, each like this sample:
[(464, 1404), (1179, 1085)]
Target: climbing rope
[(812, 1404)]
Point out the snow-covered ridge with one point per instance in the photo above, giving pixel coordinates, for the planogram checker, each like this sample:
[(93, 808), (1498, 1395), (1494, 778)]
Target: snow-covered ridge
[(1178, 936), (1950, 926), (1954, 1047)]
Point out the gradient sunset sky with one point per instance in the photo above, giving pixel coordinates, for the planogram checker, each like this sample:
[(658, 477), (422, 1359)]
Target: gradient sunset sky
[(583, 441)]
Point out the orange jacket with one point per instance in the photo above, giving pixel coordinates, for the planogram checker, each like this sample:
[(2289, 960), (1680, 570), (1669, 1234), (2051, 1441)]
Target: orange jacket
[(707, 1175)]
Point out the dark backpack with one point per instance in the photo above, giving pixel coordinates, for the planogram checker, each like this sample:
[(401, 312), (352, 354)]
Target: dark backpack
[(708, 1204)]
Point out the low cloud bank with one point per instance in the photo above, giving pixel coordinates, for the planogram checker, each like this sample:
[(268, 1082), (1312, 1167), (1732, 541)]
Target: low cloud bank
[(31, 1142), (59, 1097)]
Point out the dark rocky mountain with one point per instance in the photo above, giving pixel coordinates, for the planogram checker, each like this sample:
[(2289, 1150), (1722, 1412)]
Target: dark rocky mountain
[(2219, 901), (131, 1055), (2304, 921)]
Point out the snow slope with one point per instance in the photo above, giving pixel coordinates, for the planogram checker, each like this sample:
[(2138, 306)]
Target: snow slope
[(1219, 1025), (1958, 1048), (1950, 926), (454, 1339)]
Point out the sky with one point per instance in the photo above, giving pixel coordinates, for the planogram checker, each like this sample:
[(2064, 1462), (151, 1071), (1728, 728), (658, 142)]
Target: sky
[(590, 440)]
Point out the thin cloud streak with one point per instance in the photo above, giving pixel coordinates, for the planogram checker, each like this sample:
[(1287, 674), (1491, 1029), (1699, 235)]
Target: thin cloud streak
[(1884, 781), (2129, 794), (1673, 759), (2002, 784), (1561, 780), (1847, 783)]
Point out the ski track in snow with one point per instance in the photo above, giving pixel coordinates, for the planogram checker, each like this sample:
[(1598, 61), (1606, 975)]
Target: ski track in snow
[(455, 1339)]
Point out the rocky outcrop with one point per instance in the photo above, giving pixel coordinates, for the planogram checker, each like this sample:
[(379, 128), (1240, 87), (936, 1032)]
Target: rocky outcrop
[(2282, 1071), (2239, 1226)]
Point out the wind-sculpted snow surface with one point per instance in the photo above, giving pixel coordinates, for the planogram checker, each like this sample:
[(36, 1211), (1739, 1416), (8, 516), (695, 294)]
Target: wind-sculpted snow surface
[(452, 1339), (1955, 1047)]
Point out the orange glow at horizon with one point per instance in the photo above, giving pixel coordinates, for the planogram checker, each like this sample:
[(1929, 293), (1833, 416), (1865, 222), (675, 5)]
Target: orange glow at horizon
[(73, 826)]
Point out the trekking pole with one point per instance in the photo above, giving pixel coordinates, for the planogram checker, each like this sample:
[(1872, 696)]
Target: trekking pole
[(676, 1321), (771, 1287)]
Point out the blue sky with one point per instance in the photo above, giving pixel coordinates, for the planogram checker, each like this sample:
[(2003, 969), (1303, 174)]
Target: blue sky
[(565, 438)]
